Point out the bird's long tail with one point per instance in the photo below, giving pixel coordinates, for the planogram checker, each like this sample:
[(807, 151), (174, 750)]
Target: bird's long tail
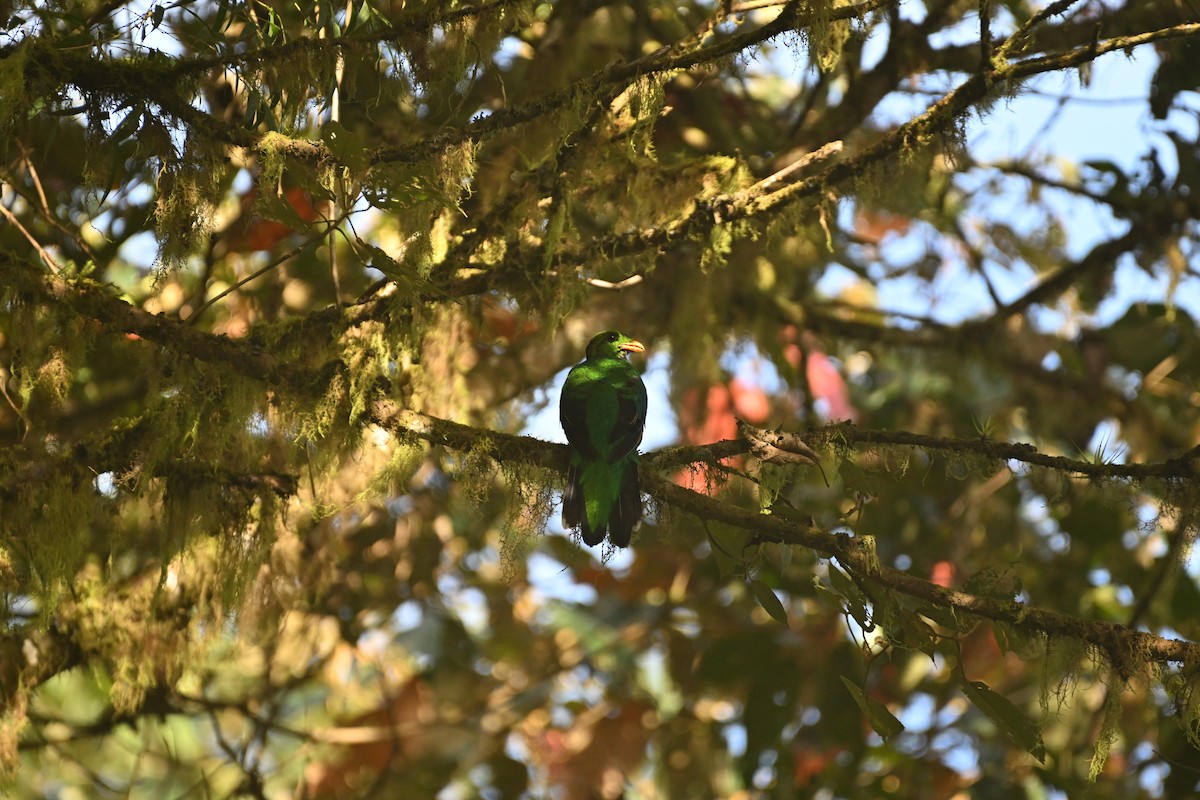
[(627, 511), (597, 505)]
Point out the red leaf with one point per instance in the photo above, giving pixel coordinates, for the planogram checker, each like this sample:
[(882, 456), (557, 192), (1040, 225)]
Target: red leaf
[(873, 226), (750, 402), (824, 379), (942, 573)]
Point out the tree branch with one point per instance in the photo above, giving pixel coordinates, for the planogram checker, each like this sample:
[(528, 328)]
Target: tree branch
[(1123, 645), (28, 657), (138, 79), (415, 24), (729, 207), (95, 301)]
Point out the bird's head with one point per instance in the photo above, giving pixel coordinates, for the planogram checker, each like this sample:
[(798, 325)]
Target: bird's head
[(612, 344)]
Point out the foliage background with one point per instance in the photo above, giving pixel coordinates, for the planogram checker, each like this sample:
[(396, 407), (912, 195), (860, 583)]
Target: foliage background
[(282, 284)]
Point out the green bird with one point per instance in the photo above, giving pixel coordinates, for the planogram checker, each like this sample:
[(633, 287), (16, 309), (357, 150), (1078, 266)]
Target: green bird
[(603, 412)]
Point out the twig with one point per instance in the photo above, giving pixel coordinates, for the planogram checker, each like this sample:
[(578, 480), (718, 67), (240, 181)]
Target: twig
[(1102, 256), (258, 273), (1054, 9), (42, 207), (755, 5), (822, 153), (632, 280), (46, 257), (95, 301), (1118, 641), (985, 35)]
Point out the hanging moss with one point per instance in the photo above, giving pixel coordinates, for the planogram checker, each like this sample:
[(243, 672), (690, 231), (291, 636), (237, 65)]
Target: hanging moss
[(404, 459), (827, 36), (128, 634), (821, 37), (647, 96), (1109, 730), (13, 98), (530, 493), (1183, 685), (56, 532), (189, 189), (1060, 671)]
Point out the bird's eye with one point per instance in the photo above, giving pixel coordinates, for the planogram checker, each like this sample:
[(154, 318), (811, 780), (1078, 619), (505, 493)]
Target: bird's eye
[(612, 337)]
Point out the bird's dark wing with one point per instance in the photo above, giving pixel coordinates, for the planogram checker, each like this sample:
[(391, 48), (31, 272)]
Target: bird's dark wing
[(626, 434), (603, 409), (573, 412)]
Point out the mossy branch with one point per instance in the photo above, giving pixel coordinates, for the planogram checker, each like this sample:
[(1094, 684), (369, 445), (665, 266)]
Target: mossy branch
[(88, 462), (418, 24), (98, 302), (937, 119), (1124, 646), (1185, 467), (31, 657), (139, 79), (84, 629), (95, 301), (56, 649), (604, 85)]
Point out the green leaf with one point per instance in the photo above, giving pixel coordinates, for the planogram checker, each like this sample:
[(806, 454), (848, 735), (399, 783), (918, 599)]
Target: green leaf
[(554, 231), (842, 584), (253, 104), (903, 624), (783, 556), (409, 283), (127, 126), (848, 589), (1007, 717), (274, 25), (883, 721), (769, 601), (273, 207)]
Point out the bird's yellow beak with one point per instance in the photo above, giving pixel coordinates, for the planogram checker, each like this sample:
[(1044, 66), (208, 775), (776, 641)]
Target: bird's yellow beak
[(633, 347)]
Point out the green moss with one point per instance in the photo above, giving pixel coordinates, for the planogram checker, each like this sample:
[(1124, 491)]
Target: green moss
[(56, 532), (1183, 686), (245, 548), (1109, 730), (13, 97), (189, 188), (824, 37), (867, 548), (719, 245), (827, 36), (271, 151), (13, 722), (647, 96), (530, 492), (405, 459)]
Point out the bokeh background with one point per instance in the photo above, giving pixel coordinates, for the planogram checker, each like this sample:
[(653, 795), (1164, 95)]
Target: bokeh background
[(283, 283)]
